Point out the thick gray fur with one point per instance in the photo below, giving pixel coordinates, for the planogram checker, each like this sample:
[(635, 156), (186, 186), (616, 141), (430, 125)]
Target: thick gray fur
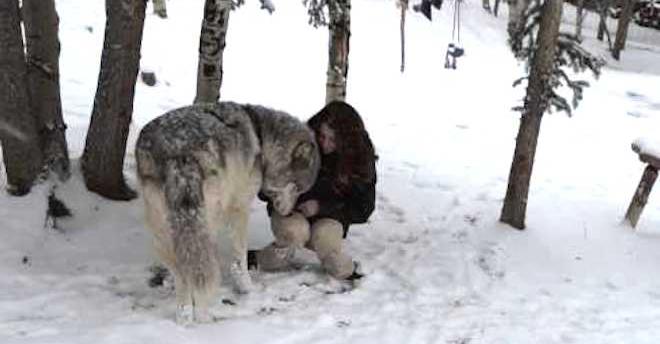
[(199, 168)]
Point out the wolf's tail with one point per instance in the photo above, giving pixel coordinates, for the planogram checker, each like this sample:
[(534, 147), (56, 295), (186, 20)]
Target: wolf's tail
[(195, 260)]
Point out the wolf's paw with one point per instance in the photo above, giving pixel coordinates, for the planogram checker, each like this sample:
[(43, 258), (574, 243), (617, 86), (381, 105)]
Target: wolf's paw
[(243, 284), (241, 278), (203, 316), (184, 315)]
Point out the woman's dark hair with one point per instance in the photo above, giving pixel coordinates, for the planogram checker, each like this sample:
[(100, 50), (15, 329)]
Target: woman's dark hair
[(355, 151)]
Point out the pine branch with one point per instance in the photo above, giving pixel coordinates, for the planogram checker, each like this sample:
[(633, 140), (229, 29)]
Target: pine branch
[(316, 11), (236, 4), (520, 80), (558, 103), (569, 54)]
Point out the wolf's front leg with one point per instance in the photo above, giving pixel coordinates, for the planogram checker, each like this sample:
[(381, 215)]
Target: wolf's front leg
[(239, 236)]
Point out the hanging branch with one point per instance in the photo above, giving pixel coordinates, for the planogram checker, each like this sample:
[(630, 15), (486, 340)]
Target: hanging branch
[(569, 54), (315, 10), (403, 5)]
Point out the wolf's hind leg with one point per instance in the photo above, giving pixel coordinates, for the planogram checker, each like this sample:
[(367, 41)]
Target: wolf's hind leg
[(184, 300), (196, 265), (239, 239)]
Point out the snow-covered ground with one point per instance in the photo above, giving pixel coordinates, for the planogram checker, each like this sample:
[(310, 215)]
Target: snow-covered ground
[(440, 267)]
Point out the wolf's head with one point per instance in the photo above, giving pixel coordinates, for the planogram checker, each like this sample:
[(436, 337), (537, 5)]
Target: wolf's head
[(290, 169)]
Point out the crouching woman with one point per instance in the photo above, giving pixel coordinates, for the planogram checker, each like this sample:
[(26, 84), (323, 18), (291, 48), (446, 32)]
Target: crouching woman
[(344, 194)]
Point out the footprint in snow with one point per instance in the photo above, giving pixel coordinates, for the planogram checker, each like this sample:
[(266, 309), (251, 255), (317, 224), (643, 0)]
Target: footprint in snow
[(489, 263), (390, 211)]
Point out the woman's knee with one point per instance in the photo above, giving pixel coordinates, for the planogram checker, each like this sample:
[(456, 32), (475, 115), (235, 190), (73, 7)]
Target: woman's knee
[(290, 230), (327, 235)]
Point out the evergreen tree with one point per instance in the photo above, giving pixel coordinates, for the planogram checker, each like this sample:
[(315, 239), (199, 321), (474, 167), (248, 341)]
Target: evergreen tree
[(547, 53)]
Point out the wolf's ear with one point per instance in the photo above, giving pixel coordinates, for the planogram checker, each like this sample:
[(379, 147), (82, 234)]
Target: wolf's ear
[(304, 155)]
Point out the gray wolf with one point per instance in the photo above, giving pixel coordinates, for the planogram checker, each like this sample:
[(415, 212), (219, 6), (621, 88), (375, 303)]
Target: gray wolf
[(199, 168)]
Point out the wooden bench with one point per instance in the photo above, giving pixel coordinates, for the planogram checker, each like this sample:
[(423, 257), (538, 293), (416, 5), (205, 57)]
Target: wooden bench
[(652, 159)]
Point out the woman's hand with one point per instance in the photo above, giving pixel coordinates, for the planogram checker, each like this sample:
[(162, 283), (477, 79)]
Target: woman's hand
[(309, 208)]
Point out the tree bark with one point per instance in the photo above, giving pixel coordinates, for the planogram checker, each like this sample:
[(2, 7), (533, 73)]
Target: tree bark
[(340, 33), (602, 24), (211, 49), (516, 11), (103, 157), (496, 7), (641, 196), (43, 53), (21, 153), (536, 103), (622, 28), (579, 8), (160, 8)]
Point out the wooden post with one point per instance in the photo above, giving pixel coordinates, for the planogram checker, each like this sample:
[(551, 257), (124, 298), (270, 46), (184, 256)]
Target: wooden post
[(641, 195)]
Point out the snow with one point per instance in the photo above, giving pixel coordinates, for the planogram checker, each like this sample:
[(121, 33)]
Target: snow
[(648, 146), (440, 267)]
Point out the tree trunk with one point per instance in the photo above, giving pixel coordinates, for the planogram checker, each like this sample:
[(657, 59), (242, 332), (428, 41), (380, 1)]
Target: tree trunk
[(43, 53), (602, 24), (340, 33), (21, 154), (602, 7), (579, 19), (536, 103), (622, 28), (641, 196), (496, 7), (103, 157), (404, 8), (211, 49), (160, 8), (516, 11), (486, 5)]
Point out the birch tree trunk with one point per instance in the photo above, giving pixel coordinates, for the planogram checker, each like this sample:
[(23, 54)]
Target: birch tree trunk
[(211, 48), (160, 8), (340, 33), (103, 158), (18, 131), (536, 103), (622, 28), (43, 53), (579, 8)]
